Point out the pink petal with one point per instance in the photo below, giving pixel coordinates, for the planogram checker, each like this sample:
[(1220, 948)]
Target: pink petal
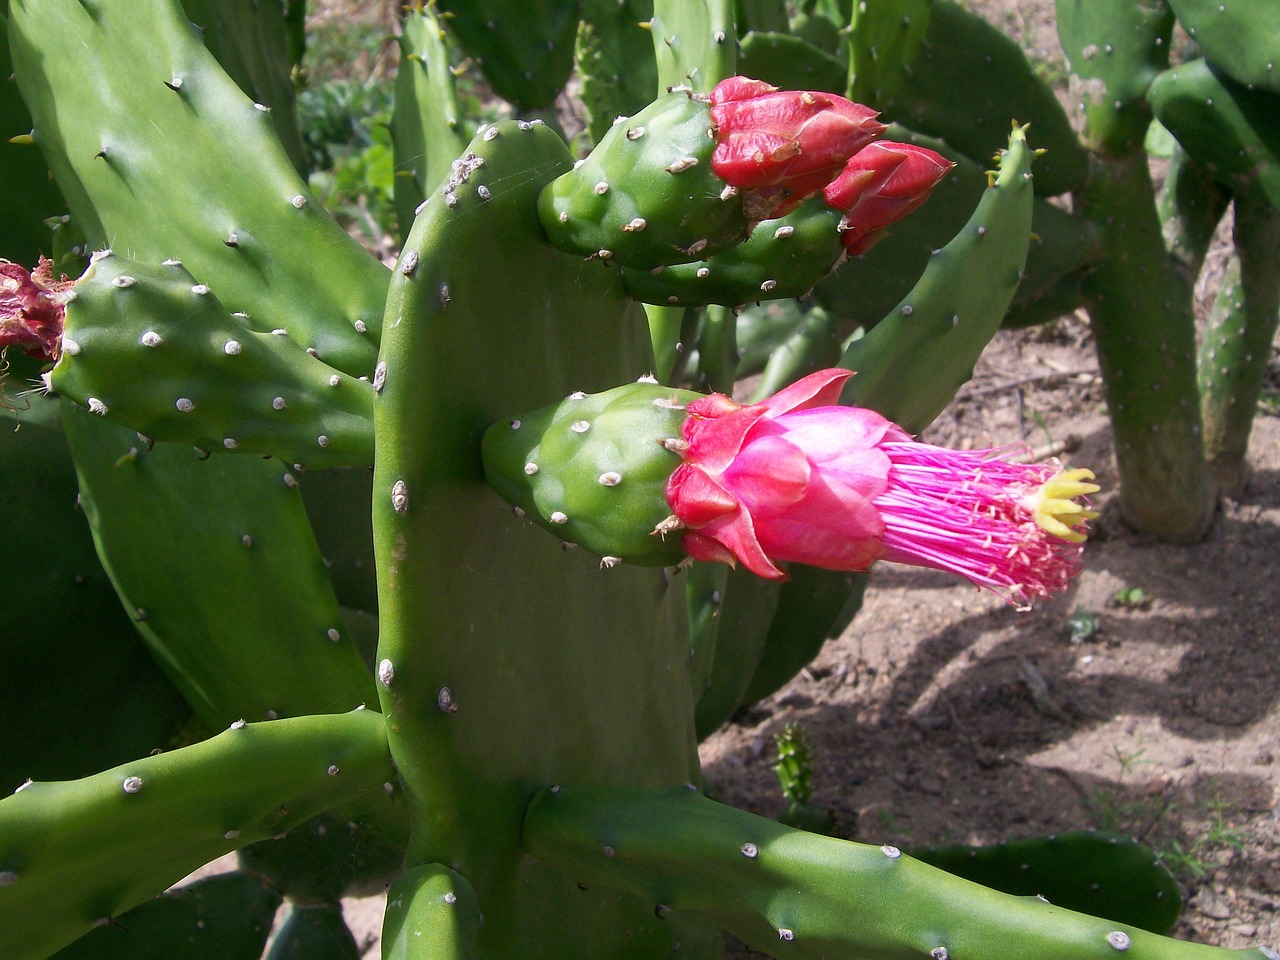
[(737, 535), (821, 389), (695, 498), (769, 473), (837, 532), (713, 443)]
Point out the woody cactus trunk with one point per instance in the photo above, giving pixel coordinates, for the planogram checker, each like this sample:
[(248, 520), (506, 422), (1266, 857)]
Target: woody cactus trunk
[(417, 688)]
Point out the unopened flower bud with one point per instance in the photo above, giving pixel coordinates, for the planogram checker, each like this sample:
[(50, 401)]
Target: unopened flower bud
[(880, 185), (784, 145)]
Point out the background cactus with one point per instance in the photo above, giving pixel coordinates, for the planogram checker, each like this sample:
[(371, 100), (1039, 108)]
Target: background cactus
[(539, 715)]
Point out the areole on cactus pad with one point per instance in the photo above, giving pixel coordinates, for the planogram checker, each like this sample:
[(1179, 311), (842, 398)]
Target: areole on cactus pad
[(650, 474)]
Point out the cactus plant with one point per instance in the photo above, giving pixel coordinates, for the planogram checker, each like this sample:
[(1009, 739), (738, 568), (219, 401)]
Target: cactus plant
[(421, 688)]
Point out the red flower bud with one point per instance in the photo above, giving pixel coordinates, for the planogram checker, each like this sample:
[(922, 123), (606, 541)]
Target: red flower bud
[(31, 309), (880, 185), (783, 145)]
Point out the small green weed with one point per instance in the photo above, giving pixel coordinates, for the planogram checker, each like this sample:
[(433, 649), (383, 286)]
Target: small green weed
[(1084, 624)]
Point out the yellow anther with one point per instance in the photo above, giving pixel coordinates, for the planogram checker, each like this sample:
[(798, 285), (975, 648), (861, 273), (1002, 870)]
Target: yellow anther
[(1054, 508)]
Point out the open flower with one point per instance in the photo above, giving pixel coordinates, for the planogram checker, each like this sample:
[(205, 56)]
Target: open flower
[(783, 145), (32, 310), (880, 185), (799, 478)]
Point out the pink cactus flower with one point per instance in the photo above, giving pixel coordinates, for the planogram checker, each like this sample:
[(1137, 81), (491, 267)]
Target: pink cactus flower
[(783, 145), (880, 185), (32, 311), (799, 478)]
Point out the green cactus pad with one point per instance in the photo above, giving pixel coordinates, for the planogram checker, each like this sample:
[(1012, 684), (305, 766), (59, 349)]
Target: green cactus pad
[(813, 345), (592, 470), (1103, 874), (970, 80), (250, 40), (76, 853), (784, 257), (328, 857), (1116, 49), (314, 932), (614, 56), (230, 594), (424, 124), (491, 634), (432, 914), (1241, 38), (161, 155), (1232, 130), (148, 347), (934, 336), (524, 48), (1236, 346), (791, 63), (646, 196), (28, 197), (693, 43), (63, 614), (884, 40), (224, 917), (796, 895)]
